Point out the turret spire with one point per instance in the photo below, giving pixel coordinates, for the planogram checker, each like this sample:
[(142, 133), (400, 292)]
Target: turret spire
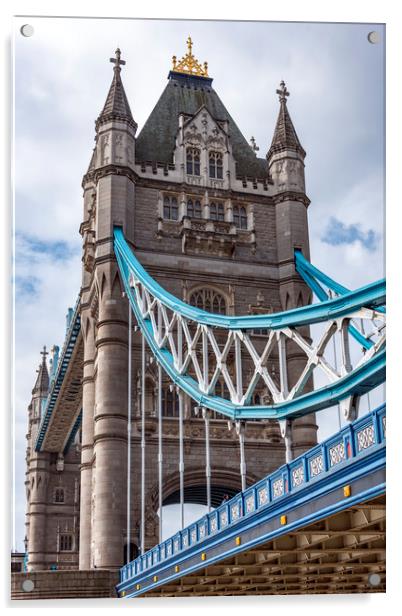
[(42, 380), (116, 106), (285, 136)]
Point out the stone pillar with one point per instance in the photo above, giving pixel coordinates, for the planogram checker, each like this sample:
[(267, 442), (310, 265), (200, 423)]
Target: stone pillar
[(292, 232), (88, 403), (110, 433), (37, 513)]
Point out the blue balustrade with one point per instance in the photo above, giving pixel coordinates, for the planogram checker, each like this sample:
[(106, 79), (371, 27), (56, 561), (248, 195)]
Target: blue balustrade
[(352, 441)]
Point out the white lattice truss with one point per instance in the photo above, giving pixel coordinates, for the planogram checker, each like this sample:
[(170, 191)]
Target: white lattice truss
[(208, 353)]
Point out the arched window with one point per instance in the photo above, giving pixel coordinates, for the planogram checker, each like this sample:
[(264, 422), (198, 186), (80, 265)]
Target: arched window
[(240, 217), (193, 161), (216, 165), (217, 211), (170, 208), (209, 300), (193, 208)]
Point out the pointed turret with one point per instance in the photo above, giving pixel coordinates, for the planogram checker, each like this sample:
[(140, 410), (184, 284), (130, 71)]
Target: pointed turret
[(116, 106), (41, 386), (115, 126), (285, 136), (286, 154), (109, 181)]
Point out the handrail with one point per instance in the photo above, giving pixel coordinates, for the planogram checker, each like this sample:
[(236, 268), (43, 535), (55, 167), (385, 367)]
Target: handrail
[(352, 441)]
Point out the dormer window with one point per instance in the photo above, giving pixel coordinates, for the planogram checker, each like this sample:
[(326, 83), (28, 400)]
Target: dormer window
[(216, 165), (240, 217), (193, 208), (193, 161), (170, 208), (217, 211)]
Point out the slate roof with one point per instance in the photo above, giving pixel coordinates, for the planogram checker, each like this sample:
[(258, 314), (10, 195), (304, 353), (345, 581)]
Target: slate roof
[(42, 380), (186, 94), (116, 106), (285, 136)]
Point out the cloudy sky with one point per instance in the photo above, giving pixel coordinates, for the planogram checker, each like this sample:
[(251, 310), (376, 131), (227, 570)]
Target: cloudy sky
[(62, 76)]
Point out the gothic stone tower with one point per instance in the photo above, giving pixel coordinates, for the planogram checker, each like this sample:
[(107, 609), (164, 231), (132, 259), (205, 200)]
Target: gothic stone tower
[(217, 227), (52, 489)]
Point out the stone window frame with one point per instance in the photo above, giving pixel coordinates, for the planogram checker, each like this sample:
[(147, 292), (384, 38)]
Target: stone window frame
[(240, 216), (59, 490), (194, 208), (193, 161), (170, 403), (215, 164), (217, 211), (66, 542), (208, 303), (170, 207)]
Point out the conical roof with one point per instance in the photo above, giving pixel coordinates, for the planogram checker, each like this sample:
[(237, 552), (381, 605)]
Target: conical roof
[(285, 136), (116, 106), (187, 94), (42, 380)]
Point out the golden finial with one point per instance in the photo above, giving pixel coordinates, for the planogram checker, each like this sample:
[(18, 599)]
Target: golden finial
[(189, 64)]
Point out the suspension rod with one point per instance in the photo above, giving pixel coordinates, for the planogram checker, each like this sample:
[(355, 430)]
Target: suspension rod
[(285, 426), (181, 458), (206, 416), (336, 365), (160, 459), (129, 385), (243, 470), (143, 445)]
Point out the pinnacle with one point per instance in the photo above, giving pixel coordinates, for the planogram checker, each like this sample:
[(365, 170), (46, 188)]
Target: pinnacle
[(116, 106), (42, 380), (285, 136)]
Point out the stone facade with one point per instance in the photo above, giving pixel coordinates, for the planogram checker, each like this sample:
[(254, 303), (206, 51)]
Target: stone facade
[(52, 483), (212, 223)]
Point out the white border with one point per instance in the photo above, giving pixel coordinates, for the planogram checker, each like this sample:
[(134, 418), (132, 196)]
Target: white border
[(291, 10)]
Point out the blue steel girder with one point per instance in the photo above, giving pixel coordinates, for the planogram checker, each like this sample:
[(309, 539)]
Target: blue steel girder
[(56, 387), (145, 293), (354, 459)]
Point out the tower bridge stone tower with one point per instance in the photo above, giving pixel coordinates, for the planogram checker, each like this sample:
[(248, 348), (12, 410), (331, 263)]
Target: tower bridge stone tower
[(217, 227)]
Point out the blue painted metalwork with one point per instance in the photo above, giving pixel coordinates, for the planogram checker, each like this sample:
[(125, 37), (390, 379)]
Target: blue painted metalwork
[(73, 432), (68, 347), (312, 274), (359, 381), (323, 296), (347, 455), (372, 294), (54, 366)]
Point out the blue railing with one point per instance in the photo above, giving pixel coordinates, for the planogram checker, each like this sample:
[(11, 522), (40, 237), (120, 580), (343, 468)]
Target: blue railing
[(62, 366), (350, 442)]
